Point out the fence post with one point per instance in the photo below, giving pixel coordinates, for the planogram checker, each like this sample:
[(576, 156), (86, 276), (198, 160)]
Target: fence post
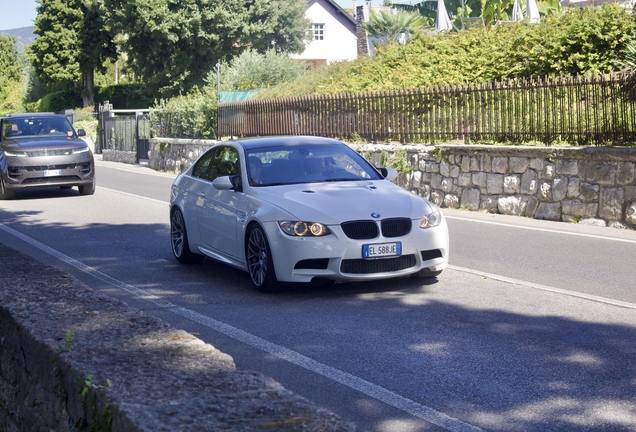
[(105, 110)]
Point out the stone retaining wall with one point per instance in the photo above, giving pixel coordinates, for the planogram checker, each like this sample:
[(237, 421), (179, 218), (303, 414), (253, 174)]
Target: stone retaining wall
[(71, 359), (592, 185)]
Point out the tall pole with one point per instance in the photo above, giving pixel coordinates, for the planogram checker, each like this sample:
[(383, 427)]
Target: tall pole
[(218, 100)]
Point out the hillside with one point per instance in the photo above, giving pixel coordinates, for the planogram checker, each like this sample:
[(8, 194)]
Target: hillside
[(23, 35)]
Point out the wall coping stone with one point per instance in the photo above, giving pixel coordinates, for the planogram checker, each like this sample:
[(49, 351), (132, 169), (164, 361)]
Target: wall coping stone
[(183, 141)]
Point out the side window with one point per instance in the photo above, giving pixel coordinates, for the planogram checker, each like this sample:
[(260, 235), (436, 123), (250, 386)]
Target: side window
[(203, 165), (9, 129), (224, 163)]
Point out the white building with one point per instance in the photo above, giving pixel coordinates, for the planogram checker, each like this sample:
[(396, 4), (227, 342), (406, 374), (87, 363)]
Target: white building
[(334, 34)]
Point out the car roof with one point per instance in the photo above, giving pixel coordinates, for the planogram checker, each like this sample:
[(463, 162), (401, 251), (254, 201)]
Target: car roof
[(32, 115), (287, 141)]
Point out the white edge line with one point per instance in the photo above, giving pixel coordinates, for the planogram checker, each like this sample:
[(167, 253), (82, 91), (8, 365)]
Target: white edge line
[(545, 287), (133, 195), (541, 229), (358, 384), (135, 171)]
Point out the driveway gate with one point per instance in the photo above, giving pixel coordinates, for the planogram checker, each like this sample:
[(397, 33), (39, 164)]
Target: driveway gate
[(125, 130)]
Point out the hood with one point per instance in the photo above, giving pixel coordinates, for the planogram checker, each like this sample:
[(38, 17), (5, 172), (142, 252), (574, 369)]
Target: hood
[(43, 143), (334, 203)]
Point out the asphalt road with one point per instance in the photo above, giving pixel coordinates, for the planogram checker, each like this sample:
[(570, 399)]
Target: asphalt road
[(532, 328)]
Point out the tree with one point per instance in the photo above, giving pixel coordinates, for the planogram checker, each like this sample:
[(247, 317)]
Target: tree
[(254, 71), (9, 64), (173, 45), (388, 26), (10, 87), (627, 59), (490, 10), (73, 41)]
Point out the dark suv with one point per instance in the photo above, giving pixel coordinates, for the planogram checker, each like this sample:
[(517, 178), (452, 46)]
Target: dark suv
[(39, 150)]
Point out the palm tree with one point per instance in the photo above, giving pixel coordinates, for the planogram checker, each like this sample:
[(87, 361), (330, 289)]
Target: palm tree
[(628, 57), (387, 26)]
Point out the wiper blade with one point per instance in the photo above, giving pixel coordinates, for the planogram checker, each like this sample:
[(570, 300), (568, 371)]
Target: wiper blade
[(274, 184), (342, 179)]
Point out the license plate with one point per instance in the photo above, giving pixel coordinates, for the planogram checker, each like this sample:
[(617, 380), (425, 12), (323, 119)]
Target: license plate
[(382, 250), (52, 173)]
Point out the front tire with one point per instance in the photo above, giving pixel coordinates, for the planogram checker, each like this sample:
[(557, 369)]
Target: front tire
[(260, 263), (179, 240), (87, 189), (6, 194), (426, 274)]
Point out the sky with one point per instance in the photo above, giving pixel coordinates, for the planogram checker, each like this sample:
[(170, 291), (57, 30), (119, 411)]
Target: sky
[(21, 13), (17, 13)]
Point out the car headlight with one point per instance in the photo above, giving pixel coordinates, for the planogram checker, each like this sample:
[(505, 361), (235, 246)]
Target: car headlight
[(431, 220), (12, 153), (304, 229), (80, 150)]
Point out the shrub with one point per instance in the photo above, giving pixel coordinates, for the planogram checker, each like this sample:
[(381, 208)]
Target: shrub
[(10, 96), (126, 96), (578, 41), (190, 116), (58, 101)]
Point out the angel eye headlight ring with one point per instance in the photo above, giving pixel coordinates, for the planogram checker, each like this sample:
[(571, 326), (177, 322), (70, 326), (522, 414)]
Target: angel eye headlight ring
[(304, 229), (300, 228), (431, 220)]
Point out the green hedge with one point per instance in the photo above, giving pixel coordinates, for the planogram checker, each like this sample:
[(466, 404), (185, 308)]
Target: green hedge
[(575, 42), (123, 96), (126, 96), (58, 101)]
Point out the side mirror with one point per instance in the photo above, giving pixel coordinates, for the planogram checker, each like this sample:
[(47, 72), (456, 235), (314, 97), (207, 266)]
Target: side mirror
[(223, 183), (81, 132), (232, 182), (388, 173)]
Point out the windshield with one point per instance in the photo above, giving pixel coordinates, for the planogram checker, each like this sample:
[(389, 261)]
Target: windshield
[(36, 127), (309, 163)]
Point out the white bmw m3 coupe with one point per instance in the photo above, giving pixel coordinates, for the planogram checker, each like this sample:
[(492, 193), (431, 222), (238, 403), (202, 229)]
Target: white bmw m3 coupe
[(292, 209)]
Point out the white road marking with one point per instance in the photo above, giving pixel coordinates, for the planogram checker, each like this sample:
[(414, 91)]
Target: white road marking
[(133, 195), (542, 229), (545, 287), (372, 390), (149, 171)]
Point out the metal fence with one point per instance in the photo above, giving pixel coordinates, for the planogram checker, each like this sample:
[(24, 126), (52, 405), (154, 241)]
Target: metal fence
[(127, 133), (579, 110), (120, 133)]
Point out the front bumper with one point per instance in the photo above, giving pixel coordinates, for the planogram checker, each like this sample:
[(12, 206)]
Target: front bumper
[(337, 257), (31, 172)]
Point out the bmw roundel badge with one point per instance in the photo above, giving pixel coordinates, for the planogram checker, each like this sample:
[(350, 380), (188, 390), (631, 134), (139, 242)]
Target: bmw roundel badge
[(375, 215)]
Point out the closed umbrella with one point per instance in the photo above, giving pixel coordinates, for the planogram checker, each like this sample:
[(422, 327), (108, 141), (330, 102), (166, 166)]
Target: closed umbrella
[(532, 11), (517, 14), (442, 21)]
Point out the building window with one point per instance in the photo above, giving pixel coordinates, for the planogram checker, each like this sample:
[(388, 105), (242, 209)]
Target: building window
[(319, 31)]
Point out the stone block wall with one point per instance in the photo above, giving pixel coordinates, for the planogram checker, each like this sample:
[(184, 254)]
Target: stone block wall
[(175, 154), (593, 185)]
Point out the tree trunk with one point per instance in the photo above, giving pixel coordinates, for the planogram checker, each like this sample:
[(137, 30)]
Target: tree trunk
[(88, 84)]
